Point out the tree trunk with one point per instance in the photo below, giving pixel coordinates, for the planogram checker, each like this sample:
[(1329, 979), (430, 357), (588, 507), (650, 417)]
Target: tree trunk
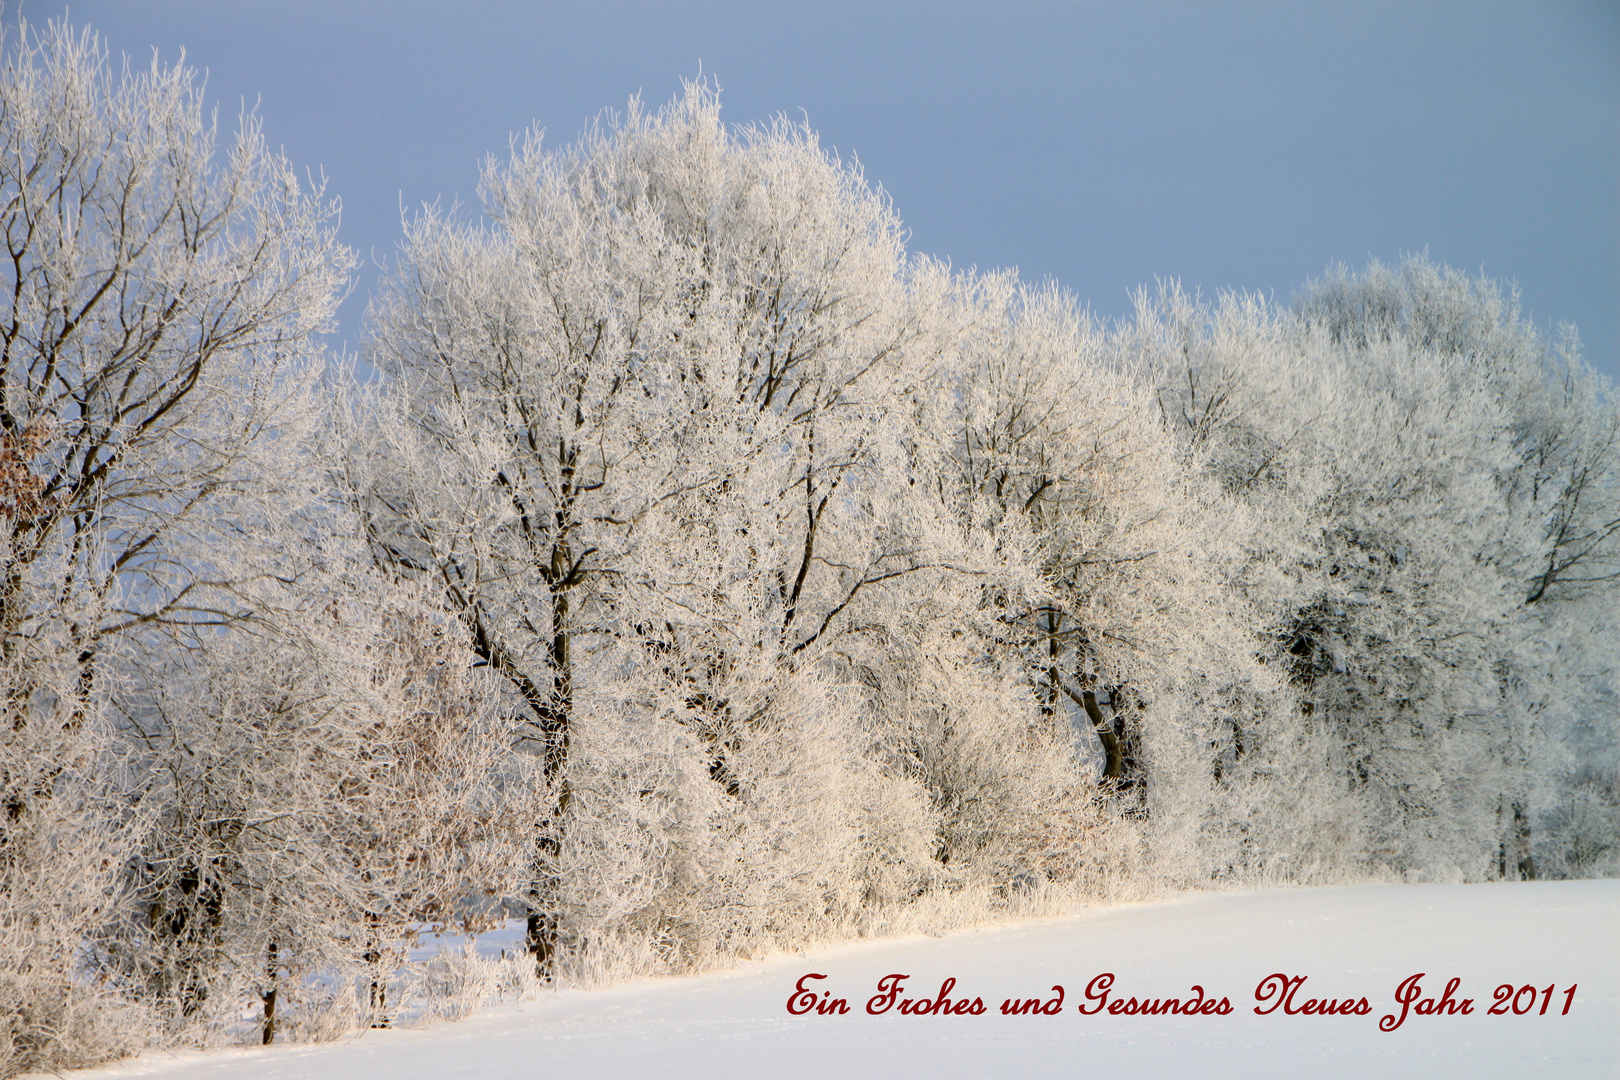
[(378, 1002), (270, 998), (1514, 861), (1113, 746), (542, 929)]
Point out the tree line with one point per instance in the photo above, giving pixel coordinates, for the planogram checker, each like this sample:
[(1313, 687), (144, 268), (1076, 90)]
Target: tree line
[(705, 574)]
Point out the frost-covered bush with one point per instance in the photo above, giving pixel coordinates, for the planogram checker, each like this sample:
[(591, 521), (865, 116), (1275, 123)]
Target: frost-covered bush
[(323, 789), (65, 829)]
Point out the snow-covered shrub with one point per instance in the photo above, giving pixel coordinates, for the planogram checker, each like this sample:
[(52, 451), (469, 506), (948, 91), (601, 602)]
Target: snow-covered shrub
[(322, 791), (65, 828)]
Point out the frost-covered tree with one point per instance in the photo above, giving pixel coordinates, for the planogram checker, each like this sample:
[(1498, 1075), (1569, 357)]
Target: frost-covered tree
[(159, 297), (647, 419), (1549, 524), (159, 293), (1384, 432), (1106, 595), (1383, 624), (510, 429)]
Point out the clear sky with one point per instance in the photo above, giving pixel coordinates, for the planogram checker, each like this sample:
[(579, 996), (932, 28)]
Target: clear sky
[(1234, 145)]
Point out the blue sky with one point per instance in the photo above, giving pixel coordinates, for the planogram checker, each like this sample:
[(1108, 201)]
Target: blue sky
[(1245, 145)]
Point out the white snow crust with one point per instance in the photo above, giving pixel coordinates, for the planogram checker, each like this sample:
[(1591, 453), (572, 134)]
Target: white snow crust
[(1350, 942)]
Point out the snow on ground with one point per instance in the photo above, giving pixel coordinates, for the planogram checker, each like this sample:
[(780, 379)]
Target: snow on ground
[(1348, 942)]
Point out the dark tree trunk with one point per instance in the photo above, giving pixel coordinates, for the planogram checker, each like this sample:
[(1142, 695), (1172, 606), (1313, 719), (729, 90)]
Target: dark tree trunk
[(271, 965), (1113, 746), (543, 924), (378, 1003), (1514, 861)]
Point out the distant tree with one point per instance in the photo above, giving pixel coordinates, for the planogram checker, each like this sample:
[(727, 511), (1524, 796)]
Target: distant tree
[(1108, 593), (1548, 525), (1400, 437)]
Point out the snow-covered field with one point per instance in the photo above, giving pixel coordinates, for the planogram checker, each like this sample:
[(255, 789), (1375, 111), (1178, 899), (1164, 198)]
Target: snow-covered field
[(1349, 943)]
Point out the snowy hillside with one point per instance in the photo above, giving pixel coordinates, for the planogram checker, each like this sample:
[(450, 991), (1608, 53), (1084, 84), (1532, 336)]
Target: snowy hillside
[(1349, 943)]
